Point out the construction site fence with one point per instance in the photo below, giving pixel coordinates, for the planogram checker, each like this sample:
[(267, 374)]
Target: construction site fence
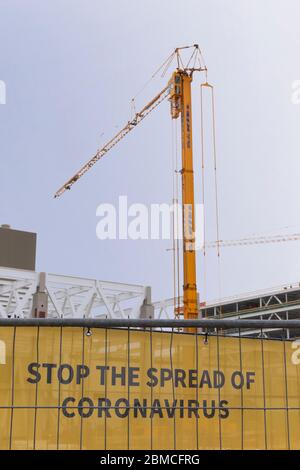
[(149, 384)]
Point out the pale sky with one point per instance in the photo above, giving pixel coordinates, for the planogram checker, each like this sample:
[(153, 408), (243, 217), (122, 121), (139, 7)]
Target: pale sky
[(70, 69)]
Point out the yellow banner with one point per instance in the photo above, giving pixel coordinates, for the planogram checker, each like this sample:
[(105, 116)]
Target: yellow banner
[(114, 389)]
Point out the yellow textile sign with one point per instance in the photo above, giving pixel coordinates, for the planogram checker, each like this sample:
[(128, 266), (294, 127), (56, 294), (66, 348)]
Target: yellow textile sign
[(120, 389)]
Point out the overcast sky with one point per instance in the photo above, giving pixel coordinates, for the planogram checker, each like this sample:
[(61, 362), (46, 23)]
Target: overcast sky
[(71, 68)]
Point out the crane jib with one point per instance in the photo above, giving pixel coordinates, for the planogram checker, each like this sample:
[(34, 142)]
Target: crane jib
[(139, 116)]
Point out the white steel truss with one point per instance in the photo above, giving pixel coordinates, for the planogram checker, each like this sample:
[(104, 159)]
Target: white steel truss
[(68, 297), (73, 297)]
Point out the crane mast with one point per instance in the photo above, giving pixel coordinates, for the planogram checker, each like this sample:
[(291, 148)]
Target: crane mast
[(181, 106)]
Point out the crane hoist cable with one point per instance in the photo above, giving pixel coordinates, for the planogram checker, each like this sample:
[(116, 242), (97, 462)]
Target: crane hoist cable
[(173, 215), (215, 165), (203, 189), (273, 229), (165, 65), (214, 152), (175, 220), (216, 190), (210, 89), (177, 217), (168, 64)]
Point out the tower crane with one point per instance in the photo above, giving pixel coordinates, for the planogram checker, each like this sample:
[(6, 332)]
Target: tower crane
[(258, 240), (178, 91)]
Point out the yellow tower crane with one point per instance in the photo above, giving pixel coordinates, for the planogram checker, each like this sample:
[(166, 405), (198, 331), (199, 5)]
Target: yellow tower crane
[(178, 91)]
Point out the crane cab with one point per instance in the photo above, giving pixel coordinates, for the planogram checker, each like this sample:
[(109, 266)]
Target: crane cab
[(175, 94)]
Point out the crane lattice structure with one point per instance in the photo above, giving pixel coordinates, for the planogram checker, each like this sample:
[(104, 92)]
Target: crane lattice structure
[(258, 240)]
